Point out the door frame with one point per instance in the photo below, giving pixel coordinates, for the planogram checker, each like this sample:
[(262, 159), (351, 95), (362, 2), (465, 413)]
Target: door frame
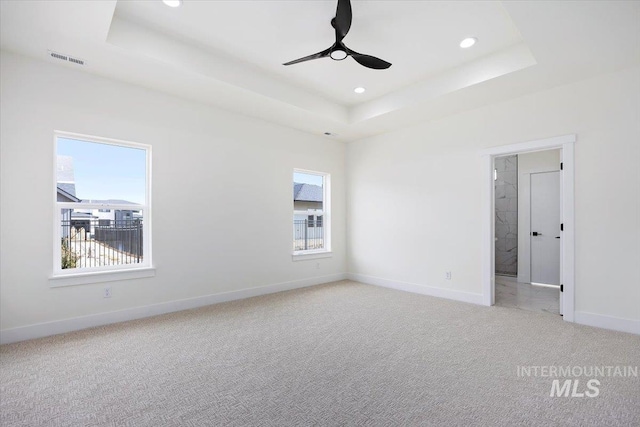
[(566, 144)]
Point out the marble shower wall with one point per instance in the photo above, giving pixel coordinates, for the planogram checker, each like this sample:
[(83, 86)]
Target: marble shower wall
[(507, 215)]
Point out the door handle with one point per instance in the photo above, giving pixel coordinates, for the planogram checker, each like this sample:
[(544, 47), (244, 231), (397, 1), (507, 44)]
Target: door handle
[(557, 237), (535, 233)]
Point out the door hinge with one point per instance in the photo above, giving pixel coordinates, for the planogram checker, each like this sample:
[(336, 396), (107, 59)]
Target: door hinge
[(561, 166), (561, 288), (562, 226)]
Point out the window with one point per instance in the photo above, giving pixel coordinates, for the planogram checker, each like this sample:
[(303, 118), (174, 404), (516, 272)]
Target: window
[(311, 213), (103, 207)]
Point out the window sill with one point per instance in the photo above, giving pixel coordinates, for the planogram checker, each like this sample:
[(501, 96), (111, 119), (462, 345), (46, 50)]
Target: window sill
[(302, 256), (100, 277)]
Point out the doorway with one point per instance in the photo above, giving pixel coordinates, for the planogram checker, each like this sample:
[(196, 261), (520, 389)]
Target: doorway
[(527, 228), (519, 284)]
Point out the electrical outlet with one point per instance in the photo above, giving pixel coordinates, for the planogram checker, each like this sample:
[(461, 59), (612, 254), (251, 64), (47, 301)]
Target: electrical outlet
[(447, 275), (107, 292)]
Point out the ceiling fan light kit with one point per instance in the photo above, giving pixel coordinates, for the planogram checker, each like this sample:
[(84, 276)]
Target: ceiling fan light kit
[(338, 54), (338, 51)]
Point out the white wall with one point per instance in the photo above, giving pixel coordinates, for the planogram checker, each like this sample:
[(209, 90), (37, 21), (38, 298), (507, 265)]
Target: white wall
[(213, 172), (528, 163), (420, 189)]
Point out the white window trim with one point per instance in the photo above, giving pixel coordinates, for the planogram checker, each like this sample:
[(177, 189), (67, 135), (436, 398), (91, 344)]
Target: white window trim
[(79, 276), (100, 276), (326, 219), (313, 254)]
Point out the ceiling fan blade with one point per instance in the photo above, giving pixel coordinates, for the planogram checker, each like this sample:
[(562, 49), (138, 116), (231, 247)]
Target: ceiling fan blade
[(343, 18), (318, 55), (369, 61)]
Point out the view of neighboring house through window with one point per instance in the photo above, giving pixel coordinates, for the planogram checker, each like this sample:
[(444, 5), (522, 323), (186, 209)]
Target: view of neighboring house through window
[(102, 203), (310, 210)]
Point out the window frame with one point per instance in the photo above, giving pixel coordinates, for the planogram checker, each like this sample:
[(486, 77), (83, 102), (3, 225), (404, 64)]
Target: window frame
[(77, 276), (325, 212)]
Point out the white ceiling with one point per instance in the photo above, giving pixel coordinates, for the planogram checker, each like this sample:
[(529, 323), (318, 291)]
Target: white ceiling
[(229, 53), (419, 38)]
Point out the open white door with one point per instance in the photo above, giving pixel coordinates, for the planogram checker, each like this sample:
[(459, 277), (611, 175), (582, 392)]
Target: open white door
[(545, 228)]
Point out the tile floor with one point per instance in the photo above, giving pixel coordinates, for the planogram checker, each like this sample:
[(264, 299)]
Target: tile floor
[(510, 293)]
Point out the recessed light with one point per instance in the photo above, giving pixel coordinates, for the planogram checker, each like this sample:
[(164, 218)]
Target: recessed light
[(468, 42), (359, 90), (172, 3)]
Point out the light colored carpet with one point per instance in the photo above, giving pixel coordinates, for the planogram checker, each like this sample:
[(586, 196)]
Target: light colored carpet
[(336, 354)]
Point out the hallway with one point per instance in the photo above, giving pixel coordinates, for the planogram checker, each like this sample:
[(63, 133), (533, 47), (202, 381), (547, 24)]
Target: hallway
[(510, 293)]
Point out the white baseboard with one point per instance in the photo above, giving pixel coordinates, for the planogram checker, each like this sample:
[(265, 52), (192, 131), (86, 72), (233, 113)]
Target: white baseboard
[(77, 323), (608, 322), (419, 289)]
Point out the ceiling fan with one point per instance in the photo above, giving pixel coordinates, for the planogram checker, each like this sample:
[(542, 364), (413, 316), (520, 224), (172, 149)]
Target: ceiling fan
[(338, 51)]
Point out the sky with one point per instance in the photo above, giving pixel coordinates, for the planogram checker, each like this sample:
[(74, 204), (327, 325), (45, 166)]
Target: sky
[(307, 178), (104, 171)]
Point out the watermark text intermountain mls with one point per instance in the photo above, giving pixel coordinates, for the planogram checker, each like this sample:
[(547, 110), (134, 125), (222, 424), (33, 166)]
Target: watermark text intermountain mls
[(577, 371), (572, 375)]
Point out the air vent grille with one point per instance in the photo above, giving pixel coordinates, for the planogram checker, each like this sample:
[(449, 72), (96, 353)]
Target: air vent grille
[(58, 56), (67, 58)]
